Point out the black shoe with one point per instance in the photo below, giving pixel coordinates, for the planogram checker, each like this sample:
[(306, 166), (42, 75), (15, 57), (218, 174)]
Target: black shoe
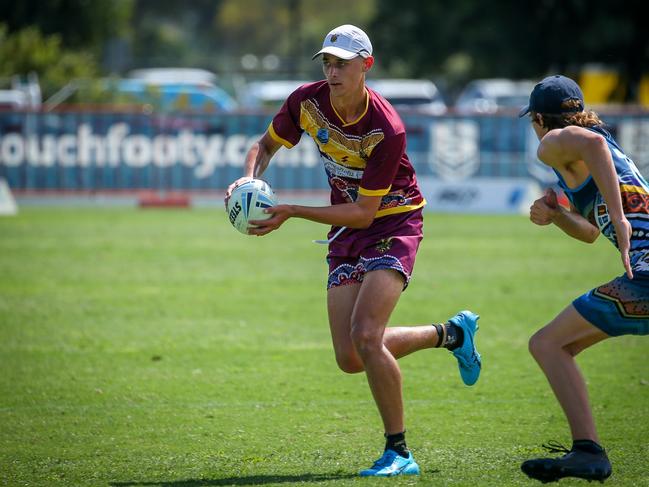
[(575, 463)]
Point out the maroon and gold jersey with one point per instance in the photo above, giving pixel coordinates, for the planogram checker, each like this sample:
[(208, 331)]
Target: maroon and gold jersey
[(366, 156)]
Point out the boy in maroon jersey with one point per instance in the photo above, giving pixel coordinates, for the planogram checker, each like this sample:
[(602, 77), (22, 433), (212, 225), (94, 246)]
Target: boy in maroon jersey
[(376, 227)]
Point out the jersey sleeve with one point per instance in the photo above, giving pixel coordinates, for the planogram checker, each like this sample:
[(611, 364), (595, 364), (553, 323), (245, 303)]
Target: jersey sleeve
[(382, 166), (285, 126)]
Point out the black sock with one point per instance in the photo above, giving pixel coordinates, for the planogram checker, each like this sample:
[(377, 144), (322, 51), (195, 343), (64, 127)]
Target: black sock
[(588, 446), (397, 442), (454, 336), (440, 334)]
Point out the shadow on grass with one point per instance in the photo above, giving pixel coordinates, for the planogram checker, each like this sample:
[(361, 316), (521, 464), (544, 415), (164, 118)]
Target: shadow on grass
[(251, 480)]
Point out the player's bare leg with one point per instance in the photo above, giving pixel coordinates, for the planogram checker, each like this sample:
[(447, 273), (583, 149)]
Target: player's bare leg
[(358, 334), (377, 297), (400, 341), (457, 335), (358, 315), (554, 347), (340, 306)]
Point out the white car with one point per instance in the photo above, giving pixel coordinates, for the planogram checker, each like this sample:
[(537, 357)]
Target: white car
[(416, 95), (188, 76), (494, 95), (268, 94), (13, 100)]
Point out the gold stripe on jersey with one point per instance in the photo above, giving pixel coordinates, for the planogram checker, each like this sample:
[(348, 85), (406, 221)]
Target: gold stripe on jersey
[(628, 188), (374, 192), (277, 138), (399, 209), (347, 150)]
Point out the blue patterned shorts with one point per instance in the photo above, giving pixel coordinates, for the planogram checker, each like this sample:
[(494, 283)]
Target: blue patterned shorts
[(619, 307)]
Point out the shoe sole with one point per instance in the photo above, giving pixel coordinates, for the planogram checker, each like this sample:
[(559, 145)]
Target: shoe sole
[(407, 470), (551, 475), (394, 474), (472, 317)]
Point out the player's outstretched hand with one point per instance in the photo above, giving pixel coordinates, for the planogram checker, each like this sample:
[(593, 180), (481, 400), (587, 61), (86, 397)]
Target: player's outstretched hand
[(623, 235), (280, 214), (228, 192), (544, 209)]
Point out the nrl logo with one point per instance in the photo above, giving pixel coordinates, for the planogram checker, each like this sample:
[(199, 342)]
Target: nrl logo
[(333, 38), (454, 153)]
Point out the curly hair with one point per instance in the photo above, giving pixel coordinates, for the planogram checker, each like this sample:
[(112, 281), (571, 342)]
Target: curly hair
[(582, 118)]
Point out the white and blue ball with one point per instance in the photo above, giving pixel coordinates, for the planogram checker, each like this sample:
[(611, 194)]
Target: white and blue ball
[(248, 202)]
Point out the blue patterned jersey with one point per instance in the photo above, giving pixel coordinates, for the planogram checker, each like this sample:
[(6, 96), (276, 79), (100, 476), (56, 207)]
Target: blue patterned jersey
[(634, 189)]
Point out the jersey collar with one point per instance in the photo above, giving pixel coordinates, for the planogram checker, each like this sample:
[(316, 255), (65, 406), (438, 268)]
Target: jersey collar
[(346, 124)]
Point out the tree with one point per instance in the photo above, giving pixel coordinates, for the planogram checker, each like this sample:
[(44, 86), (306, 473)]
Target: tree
[(27, 51), (289, 29), (510, 38), (85, 24)]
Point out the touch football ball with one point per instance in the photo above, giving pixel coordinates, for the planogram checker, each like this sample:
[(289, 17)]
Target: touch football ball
[(248, 201)]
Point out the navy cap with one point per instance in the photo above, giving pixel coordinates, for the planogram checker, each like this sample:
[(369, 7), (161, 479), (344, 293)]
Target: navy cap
[(548, 95)]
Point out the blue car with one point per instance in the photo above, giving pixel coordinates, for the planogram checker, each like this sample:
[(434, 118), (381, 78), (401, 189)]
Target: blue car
[(174, 97)]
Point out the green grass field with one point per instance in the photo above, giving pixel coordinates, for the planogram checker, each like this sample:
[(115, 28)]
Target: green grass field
[(163, 348)]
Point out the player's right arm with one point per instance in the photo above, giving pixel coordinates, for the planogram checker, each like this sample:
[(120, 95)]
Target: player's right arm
[(260, 155), (579, 152), (547, 209), (257, 160), (287, 122)]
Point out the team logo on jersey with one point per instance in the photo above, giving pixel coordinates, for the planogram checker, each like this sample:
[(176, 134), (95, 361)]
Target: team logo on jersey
[(323, 135), (384, 245)]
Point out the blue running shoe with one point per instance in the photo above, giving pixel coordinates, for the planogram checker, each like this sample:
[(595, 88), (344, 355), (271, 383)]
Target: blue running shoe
[(468, 358), (391, 464)]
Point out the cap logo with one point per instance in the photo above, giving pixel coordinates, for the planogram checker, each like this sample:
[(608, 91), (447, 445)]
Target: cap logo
[(333, 38)]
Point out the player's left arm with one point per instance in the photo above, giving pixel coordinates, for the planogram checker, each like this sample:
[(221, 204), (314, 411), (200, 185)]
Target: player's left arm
[(579, 144), (359, 214), (376, 182)]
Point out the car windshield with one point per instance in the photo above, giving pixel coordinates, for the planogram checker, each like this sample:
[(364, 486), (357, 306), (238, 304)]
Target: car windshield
[(411, 100), (516, 101)]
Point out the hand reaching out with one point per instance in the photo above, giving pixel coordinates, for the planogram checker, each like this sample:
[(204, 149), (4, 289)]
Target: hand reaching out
[(280, 214), (228, 192), (544, 209), (623, 235)]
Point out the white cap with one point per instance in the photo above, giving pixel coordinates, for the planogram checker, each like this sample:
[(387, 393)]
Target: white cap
[(346, 42)]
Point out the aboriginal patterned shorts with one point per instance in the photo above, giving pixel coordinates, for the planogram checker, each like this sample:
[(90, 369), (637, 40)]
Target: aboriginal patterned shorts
[(619, 307), (391, 242)]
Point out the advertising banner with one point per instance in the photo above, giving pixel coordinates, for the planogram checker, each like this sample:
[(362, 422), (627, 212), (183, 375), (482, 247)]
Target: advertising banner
[(480, 195), (81, 151)]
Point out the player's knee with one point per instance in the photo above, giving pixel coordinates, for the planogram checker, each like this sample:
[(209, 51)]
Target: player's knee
[(540, 346), (365, 338), (348, 363)]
